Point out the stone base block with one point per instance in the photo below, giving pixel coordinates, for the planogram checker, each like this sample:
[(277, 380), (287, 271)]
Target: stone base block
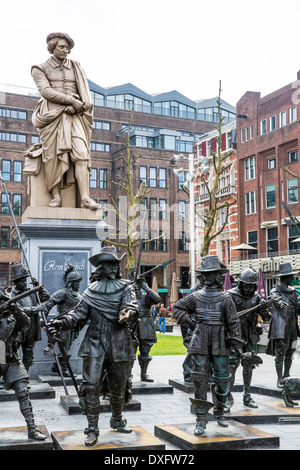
[(17, 439), (235, 436), (71, 404), (109, 439), (149, 388), (37, 391), (55, 380)]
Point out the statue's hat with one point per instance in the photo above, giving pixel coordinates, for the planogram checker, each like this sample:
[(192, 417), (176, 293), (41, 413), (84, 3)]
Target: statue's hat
[(285, 269), (61, 36), (107, 253), (211, 263), (18, 271)]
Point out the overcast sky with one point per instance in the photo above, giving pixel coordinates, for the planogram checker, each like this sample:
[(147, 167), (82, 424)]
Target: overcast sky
[(160, 45)]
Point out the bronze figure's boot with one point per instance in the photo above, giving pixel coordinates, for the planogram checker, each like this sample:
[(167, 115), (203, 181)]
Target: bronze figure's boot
[(247, 377), (221, 399), (92, 411), (26, 410), (117, 421), (144, 362), (201, 408)]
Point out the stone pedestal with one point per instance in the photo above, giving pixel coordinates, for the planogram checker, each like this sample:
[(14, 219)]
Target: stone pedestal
[(17, 439), (109, 440), (150, 388), (37, 391), (71, 404), (52, 239), (235, 436)]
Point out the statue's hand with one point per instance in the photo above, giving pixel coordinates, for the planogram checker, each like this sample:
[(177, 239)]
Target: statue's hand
[(70, 110), (78, 105), (125, 316)]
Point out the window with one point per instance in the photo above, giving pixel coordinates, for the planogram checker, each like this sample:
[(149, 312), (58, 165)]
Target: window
[(143, 174), (103, 205), (272, 123), (242, 136), (293, 156), (4, 205), (163, 209), (182, 209), (270, 196), (102, 179), (17, 171), (170, 142), (292, 190), (6, 170), (263, 127), (251, 131), (100, 147), (4, 270), (153, 208), (228, 140), (208, 149), (17, 204), (272, 241), (4, 237), (152, 177), (271, 163), (93, 178), (182, 246), (293, 114), (153, 243), (35, 139), (252, 241), (13, 137), (162, 241), (249, 168), (162, 181), (293, 234), (282, 119), (104, 126), (250, 202), (13, 113)]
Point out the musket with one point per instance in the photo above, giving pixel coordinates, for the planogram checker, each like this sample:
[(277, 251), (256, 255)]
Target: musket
[(159, 266), (39, 301), (257, 307), (20, 296)]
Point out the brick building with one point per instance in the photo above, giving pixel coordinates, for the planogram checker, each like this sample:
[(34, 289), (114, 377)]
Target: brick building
[(268, 140), (207, 145), (162, 125)]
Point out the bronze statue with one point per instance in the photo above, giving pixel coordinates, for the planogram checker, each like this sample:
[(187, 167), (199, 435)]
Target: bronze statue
[(245, 296), (13, 320), (65, 299), (110, 305), (64, 120), (27, 339), (145, 330), (216, 328), (284, 329)]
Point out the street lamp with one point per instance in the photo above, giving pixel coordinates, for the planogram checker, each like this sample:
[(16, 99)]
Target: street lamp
[(189, 183)]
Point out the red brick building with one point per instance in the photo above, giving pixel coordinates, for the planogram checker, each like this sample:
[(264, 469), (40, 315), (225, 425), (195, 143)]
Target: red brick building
[(267, 141)]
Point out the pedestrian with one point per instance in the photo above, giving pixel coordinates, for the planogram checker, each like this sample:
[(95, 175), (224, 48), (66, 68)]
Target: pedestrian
[(163, 313), (154, 312)]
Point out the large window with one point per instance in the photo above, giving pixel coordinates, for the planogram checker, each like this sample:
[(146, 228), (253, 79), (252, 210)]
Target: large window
[(100, 147), (4, 204), (93, 178), (293, 234), (4, 234), (270, 196), (252, 241), (272, 241), (17, 204), (250, 168), (183, 241), (292, 190), (152, 177), (272, 123), (4, 271), (6, 170), (13, 113), (293, 156), (250, 202), (162, 181), (13, 137), (17, 171), (143, 174), (282, 119), (103, 178), (263, 127)]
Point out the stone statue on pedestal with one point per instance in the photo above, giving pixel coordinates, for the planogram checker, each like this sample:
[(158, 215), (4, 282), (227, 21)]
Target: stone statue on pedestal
[(63, 118)]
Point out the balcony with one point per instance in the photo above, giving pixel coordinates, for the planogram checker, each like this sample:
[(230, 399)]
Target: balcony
[(227, 191)]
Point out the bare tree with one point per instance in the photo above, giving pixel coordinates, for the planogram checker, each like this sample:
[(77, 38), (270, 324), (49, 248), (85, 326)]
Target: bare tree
[(131, 237)]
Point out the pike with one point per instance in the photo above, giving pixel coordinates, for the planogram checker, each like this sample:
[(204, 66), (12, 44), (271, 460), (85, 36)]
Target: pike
[(18, 297), (257, 307), (39, 301), (159, 266)]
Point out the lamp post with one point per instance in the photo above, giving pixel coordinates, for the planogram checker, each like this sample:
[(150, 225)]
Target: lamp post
[(189, 182)]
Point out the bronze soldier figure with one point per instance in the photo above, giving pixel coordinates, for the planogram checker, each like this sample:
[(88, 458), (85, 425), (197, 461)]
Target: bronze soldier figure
[(110, 304), (145, 330), (245, 296), (284, 329), (65, 299), (13, 320), (216, 328), (28, 338)]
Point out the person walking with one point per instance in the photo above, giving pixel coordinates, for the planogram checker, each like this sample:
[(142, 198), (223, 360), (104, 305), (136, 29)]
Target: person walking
[(163, 313)]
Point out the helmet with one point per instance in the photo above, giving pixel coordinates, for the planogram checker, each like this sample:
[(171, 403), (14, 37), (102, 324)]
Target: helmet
[(249, 276)]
